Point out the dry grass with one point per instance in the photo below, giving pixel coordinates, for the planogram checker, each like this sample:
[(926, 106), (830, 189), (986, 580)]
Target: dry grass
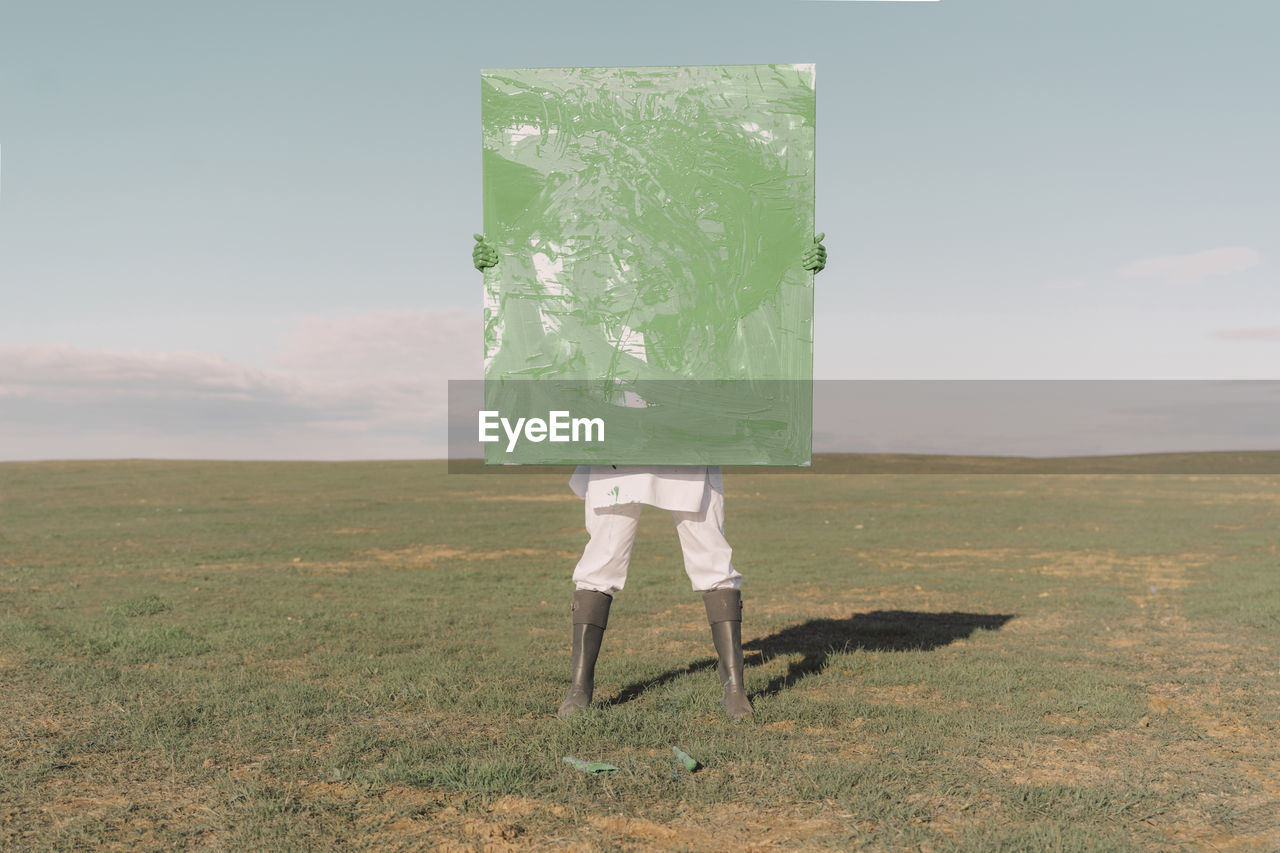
[(958, 663)]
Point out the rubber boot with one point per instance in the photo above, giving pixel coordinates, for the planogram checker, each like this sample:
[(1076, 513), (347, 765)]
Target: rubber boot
[(590, 616), (724, 614)]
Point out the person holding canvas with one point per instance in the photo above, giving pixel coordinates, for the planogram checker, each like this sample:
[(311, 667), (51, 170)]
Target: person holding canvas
[(613, 497)]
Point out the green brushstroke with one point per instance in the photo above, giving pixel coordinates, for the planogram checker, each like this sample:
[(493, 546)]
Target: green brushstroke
[(651, 224), (690, 763), (589, 766)]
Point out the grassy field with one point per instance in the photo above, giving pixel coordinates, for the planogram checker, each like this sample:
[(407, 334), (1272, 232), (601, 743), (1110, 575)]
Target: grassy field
[(291, 656)]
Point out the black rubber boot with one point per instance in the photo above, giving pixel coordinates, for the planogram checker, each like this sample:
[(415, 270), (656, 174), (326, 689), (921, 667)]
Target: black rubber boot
[(724, 613), (590, 616)]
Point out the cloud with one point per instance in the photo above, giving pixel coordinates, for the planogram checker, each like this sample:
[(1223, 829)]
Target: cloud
[(387, 343), (1196, 266), (1261, 333), (397, 362), (66, 374), (366, 386), (1065, 283)]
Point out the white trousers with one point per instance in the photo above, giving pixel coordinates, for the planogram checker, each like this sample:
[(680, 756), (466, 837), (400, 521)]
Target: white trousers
[(707, 554)]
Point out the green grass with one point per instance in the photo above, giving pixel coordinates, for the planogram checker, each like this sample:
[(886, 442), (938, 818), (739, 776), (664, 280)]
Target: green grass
[(369, 656)]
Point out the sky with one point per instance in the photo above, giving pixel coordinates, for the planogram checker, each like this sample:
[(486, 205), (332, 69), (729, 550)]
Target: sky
[(243, 229)]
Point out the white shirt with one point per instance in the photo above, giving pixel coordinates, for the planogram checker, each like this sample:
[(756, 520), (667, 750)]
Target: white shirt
[(672, 487)]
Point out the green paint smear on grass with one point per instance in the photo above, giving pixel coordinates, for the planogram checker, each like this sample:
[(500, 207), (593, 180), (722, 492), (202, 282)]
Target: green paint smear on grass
[(650, 224), (690, 763), (590, 766)]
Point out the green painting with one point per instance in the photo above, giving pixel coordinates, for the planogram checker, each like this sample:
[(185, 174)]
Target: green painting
[(649, 224)]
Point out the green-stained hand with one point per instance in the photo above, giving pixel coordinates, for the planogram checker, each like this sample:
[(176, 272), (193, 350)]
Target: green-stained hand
[(814, 257), (483, 255)]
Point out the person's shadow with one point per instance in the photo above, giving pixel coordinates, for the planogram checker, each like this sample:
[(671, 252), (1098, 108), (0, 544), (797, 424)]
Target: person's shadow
[(817, 639)]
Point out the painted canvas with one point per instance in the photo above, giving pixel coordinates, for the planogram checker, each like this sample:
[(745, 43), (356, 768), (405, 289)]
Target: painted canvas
[(649, 223)]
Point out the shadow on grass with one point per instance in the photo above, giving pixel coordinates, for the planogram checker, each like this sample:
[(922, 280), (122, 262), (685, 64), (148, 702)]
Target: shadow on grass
[(818, 639)]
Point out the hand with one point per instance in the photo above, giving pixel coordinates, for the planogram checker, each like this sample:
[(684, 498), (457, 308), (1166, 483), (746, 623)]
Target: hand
[(815, 257), (483, 255)]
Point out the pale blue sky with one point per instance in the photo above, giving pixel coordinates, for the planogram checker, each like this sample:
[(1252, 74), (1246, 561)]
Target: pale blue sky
[(242, 229)]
